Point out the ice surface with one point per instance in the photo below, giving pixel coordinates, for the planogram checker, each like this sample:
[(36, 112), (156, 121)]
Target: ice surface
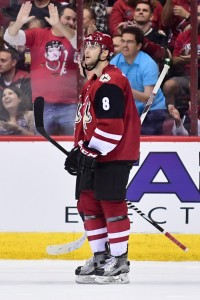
[(54, 280)]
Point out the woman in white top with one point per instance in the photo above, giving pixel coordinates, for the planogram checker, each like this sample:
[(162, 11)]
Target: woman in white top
[(15, 118), (179, 124)]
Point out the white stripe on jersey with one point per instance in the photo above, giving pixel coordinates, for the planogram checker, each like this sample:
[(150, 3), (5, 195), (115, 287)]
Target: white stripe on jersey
[(116, 137), (102, 146), (97, 231)]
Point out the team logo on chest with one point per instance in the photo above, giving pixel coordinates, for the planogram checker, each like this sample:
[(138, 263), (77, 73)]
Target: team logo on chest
[(105, 78), (87, 117), (78, 113)]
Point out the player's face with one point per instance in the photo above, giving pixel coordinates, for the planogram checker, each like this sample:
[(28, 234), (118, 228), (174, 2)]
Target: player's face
[(6, 62), (68, 18), (92, 51), (142, 13), (129, 47)]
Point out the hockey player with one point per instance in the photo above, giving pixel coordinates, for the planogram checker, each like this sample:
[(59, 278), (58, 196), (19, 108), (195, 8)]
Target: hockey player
[(107, 135)]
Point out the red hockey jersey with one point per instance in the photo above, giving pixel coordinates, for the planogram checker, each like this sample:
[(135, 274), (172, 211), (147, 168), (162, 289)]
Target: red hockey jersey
[(107, 117), (53, 71)]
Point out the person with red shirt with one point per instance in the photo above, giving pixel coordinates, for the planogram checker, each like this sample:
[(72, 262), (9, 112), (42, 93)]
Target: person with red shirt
[(176, 17), (53, 71), (123, 11), (107, 136), (177, 88), (155, 41)]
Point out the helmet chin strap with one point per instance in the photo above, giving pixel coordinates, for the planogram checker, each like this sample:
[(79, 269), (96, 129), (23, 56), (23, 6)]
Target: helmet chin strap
[(92, 67)]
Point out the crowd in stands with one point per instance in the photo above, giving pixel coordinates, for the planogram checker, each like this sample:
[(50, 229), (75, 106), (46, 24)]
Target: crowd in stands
[(38, 46)]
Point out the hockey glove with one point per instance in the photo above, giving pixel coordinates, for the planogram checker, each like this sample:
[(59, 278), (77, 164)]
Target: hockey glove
[(88, 157), (89, 152), (87, 165), (71, 163)]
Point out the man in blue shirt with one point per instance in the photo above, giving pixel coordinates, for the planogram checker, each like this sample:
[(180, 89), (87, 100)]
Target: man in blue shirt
[(142, 73)]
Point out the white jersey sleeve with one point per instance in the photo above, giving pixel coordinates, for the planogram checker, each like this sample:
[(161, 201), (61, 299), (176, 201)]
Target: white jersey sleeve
[(18, 40)]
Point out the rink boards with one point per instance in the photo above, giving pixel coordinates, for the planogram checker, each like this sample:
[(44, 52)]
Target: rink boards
[(38, 206)]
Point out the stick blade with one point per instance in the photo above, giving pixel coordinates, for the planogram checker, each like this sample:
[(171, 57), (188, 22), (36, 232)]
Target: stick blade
[(38, 112), (66, 248)]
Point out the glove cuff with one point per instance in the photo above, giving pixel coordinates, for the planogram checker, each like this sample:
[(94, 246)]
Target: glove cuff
[(90, 152)]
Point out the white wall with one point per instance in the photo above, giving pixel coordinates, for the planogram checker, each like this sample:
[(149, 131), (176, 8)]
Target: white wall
[(35, 189)]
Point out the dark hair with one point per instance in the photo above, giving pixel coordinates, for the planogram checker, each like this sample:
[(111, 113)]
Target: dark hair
[(61, 8), (4, 115), (147, 3), (13, 53), (41, 21), (52, 44), (137, 32)]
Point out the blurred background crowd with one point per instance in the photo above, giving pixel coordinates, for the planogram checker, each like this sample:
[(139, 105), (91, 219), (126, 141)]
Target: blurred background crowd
[(38, 50)]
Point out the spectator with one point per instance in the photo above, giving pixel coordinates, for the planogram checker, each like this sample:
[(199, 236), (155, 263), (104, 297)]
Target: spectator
[(39, 10), (123, 11), (155, 42), (117, 44), (10, 75), (142, 73), (15, 118), (68, 15), (178, 121), (24, 51), (175, 16), (177, 88), (53, 71), (89, 20), (100, 12), (35, 23)]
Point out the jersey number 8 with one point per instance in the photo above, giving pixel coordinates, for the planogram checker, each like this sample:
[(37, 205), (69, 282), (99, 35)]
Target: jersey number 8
[(106, 103)]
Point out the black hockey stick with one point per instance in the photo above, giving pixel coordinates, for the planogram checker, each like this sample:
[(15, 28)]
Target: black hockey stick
[(39, 123), (167, 234)]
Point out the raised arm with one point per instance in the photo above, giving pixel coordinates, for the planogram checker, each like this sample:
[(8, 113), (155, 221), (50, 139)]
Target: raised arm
[(57, 26), (167, 13), (22, 18)]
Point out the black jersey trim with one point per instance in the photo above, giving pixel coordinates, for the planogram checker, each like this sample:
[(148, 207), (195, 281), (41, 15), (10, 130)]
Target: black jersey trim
[(109, 102)]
